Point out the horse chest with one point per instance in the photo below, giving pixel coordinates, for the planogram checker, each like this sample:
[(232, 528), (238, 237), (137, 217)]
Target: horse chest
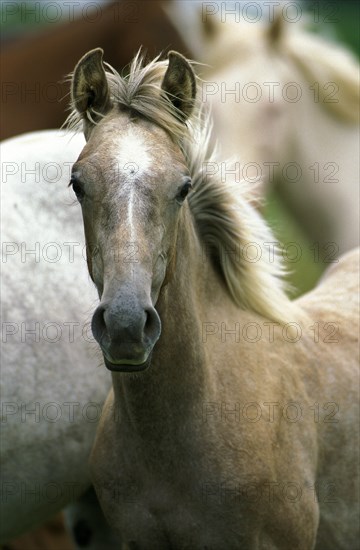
[(149, 513), (159, 503)]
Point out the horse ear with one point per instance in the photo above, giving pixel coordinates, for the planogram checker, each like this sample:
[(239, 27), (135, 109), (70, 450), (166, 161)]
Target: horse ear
[(276, 28), (209, 27), (179, 84), (89, 87)]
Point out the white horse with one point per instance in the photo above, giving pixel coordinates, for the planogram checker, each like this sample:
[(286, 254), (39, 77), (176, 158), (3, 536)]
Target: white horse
[(287, 102), (52, 389)]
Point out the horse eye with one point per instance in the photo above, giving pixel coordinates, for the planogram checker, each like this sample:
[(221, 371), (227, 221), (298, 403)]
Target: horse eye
[(184, 191), (78, 190)]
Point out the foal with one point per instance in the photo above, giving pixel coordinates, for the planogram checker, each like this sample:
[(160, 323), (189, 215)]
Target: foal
[(232, 419)]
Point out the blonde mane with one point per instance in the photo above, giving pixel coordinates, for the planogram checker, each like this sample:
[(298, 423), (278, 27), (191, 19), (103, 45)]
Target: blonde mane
[(224, 219), (241, 245)]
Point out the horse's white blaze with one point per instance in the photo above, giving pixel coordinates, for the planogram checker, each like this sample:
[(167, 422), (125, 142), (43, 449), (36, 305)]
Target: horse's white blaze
[(130, 212), (134, 161)]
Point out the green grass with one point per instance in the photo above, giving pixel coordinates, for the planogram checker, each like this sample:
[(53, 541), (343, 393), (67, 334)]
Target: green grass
[(305, 272)]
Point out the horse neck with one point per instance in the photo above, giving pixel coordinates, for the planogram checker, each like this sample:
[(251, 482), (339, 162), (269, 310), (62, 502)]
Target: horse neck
[(333, 139), (178, 380)]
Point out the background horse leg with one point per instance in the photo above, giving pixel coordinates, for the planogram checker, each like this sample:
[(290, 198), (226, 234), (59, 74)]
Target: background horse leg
[(87, 526)]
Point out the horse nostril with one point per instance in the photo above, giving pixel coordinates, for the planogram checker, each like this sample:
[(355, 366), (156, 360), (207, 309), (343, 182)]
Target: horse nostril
[(152, 324), (98, 325)]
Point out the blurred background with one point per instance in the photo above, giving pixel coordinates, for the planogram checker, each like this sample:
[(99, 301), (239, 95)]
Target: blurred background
[(42, 41)]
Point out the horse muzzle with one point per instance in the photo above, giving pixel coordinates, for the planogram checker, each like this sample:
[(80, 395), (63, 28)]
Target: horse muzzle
[(127, 332)]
